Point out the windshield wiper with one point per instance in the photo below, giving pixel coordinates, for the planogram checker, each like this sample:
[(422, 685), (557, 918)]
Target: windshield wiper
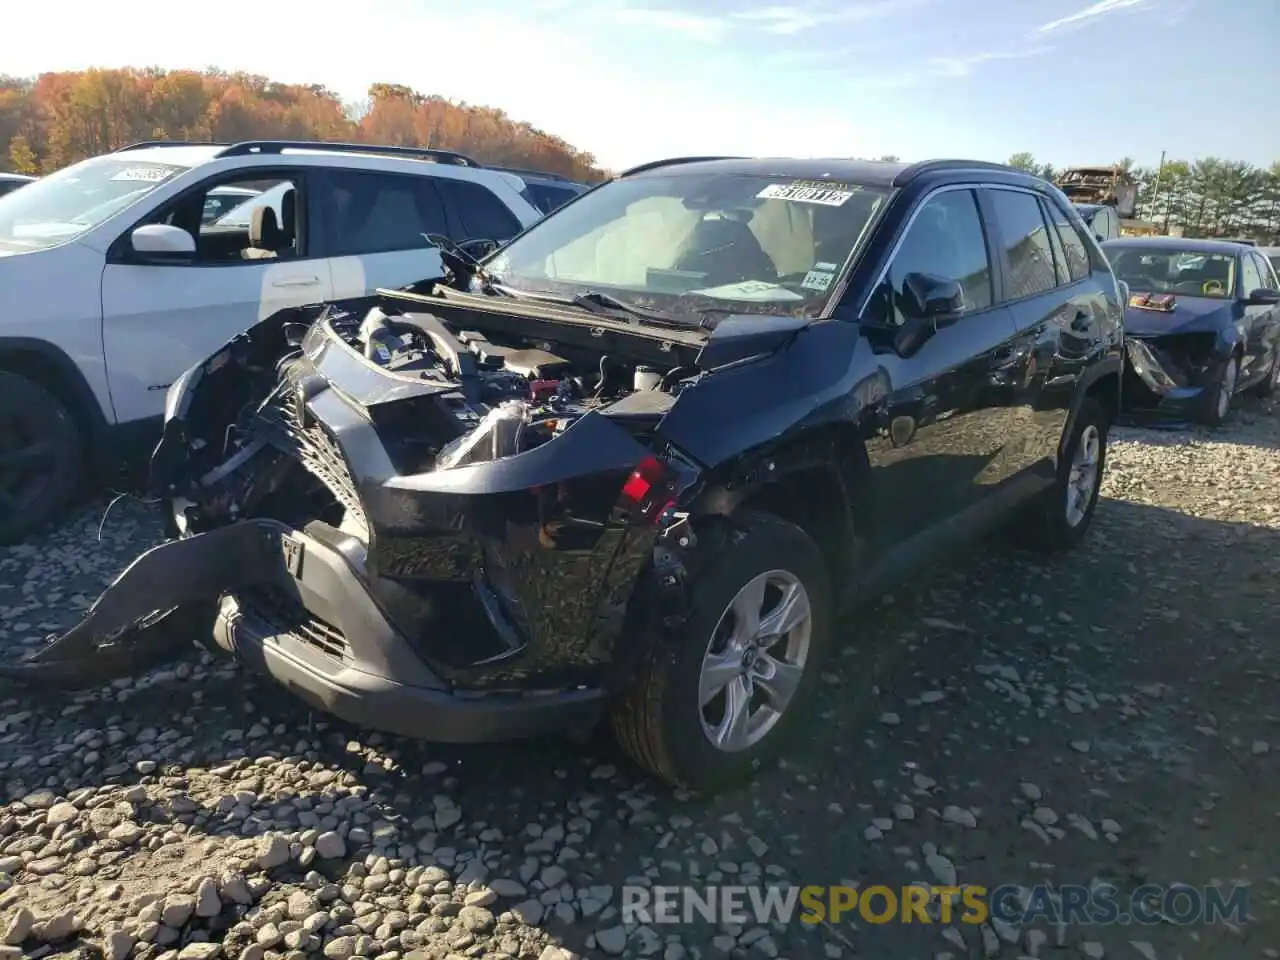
[(594, 301)]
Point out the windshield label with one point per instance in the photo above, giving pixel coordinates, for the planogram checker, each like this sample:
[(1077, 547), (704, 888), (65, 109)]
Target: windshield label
[(143, 174), (756, 290), (809, 191), (817, 279)]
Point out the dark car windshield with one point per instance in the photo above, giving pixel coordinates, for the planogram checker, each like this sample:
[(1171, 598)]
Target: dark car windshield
[(686, 243), (1170, 270)]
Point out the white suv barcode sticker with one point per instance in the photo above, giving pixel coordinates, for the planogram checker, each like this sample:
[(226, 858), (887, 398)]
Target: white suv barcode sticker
[(809, 191)]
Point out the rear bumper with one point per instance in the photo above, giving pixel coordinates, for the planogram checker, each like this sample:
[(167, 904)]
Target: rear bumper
[(312, 626)]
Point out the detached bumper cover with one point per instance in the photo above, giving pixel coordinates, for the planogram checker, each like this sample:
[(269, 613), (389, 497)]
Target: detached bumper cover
[(1156, 391), (293, 607)]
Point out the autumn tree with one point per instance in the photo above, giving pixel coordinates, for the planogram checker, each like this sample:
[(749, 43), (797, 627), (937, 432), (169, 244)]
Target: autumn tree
[(60, 118)]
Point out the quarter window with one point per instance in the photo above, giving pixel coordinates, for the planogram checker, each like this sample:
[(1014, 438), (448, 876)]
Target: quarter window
[(1027, 246), (945, 239), (1059, 255), (483, 215), (1073, 245)]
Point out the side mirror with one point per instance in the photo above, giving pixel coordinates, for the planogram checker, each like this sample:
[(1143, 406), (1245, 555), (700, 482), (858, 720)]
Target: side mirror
[(929, 302), (478, 249), (928, 296), (160, 241), (1263, 297), (1124, 293)]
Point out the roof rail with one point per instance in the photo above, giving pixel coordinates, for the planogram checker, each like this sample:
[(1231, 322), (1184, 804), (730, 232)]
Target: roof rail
[(526, 172), (249, 147), (931, 166), (671, 162), (148, 144)]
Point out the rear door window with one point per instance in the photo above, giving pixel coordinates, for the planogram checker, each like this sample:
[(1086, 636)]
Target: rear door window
[(382, 213), (1026, 244)]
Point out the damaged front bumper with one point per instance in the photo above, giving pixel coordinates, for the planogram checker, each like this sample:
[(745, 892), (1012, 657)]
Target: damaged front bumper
[(295, 609), (1168, 382)]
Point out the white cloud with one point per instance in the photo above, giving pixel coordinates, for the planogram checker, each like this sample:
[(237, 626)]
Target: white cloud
[(790, 20), (963, 66), (676, 21), (1101, 8)]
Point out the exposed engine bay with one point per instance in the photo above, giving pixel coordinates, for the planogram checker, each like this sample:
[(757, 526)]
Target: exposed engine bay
[(441, 396)]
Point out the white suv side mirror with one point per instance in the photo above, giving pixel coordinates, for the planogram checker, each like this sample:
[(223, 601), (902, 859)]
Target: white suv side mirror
[(162, 240)]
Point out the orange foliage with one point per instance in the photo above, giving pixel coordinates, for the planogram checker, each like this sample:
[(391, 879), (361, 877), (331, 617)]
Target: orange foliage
[(60, 118)]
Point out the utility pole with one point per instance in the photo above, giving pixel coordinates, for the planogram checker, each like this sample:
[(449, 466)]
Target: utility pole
[(1155, 192)]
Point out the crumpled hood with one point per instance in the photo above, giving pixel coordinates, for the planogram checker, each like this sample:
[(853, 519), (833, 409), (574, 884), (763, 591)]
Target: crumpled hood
[(1190, 315)]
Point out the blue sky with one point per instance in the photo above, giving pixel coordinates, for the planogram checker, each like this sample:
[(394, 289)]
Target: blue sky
[(634, 80)]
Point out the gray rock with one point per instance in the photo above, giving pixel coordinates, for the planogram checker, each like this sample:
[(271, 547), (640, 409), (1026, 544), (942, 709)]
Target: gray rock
[(208, 903), (529, 911), (61, 813), (58, 927), (476, 919), (612, 941), (331, 846), (340, 948), (273, 851), (117, 944), (177, 911), (18, 927), (954, 814), (505, 887), (199, 950)]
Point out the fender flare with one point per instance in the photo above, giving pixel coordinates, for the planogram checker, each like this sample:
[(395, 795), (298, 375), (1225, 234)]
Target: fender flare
[(69, 383), (1108, 366), (833, 449)]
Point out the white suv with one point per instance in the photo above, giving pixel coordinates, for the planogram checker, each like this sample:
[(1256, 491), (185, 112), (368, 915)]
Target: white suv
[(113, 279)]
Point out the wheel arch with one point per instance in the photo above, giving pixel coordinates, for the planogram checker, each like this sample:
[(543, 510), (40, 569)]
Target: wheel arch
[(817, 480), (48, 365), (1101, 384)]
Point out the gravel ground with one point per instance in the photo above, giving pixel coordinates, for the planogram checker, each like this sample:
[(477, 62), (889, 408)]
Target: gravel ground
[(1110, 716)]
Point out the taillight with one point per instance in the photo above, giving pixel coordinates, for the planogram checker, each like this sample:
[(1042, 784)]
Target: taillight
[(647, 493)]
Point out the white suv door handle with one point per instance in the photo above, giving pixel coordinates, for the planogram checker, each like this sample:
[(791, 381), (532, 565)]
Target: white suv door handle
[(296, 282)]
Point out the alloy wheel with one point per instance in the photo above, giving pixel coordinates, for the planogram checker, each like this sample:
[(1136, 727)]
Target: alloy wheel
[(1082, 481), (755, 660), (25, 457)]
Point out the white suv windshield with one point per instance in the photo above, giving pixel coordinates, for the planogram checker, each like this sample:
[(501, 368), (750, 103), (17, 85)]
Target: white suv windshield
[(688, 243), (63, 205)]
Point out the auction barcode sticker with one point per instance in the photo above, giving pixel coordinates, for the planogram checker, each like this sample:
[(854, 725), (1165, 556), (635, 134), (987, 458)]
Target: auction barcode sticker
[(809, 191)]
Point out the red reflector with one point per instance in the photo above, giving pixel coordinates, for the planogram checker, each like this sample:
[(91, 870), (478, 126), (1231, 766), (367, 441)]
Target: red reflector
[(636, 487), (643, 478)]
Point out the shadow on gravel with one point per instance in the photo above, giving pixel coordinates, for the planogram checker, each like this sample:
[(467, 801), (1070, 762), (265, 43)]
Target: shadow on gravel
[(1162, 626)]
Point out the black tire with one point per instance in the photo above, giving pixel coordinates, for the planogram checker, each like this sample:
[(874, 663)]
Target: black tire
[(1214, 413), (658, 719), (1272, 380), (33, 418), (1048, 525)]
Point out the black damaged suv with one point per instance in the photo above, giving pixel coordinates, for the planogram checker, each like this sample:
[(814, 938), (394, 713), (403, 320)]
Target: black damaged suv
[(634, 462)]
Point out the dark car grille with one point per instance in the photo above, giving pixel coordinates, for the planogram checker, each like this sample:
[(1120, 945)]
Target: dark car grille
[(317, 452), (271, 609)]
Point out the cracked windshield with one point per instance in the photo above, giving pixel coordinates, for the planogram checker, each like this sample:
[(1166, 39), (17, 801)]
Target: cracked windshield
[(696, 480)]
